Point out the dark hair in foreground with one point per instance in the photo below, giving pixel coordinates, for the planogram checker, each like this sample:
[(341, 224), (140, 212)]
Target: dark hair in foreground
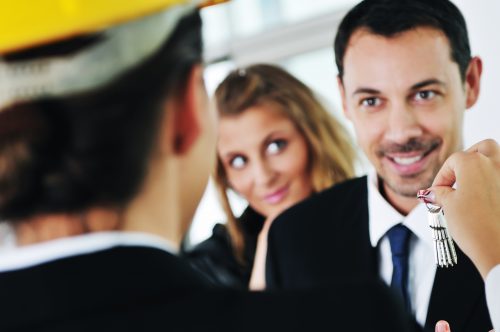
[(67, 154), (390, 17)]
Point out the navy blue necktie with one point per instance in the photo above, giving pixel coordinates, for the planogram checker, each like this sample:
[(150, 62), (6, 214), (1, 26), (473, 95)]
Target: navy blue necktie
[(399, 237)]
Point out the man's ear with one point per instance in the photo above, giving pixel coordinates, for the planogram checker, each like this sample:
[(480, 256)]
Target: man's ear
[(342, 96), (187, 116), (473, 81)]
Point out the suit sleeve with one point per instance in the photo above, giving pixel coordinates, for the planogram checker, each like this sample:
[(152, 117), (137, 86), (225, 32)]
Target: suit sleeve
[(493, 296)]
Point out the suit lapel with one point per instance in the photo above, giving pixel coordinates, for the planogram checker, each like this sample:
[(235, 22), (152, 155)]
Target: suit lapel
[(361, 232)]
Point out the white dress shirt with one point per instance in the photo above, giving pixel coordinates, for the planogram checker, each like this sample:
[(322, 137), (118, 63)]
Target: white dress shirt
[(422, 268), (44, 252), (492, 283), (7, 236)]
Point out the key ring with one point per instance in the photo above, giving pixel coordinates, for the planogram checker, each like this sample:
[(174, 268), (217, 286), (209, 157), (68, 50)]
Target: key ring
[(444, 249), (433, 208)]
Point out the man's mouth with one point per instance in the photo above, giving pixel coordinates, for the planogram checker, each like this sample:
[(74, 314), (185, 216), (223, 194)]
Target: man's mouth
[(407, 161), (410, 158)]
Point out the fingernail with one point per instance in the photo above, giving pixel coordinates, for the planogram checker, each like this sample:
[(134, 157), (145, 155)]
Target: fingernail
[(442, 326), (426, 195)]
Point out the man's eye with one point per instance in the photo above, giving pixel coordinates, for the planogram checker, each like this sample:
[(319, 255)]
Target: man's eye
[(276, 146), (238, 162), (371, 102), (425, 95)]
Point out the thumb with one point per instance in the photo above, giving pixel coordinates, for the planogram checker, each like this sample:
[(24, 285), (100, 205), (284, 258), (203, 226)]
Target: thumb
[(437, 195), (442, 326)]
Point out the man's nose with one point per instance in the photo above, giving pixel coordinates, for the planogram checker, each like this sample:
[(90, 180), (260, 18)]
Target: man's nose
[(402, 124)]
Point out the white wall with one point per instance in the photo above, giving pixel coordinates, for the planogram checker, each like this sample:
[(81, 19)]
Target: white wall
[(483, 21)]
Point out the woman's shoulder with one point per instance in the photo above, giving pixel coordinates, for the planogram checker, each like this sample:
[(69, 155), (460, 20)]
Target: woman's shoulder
[(218, 241), (251, 223), (215, 259)]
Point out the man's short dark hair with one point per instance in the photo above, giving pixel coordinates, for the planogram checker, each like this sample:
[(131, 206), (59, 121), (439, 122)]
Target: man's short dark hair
[(390, 17)]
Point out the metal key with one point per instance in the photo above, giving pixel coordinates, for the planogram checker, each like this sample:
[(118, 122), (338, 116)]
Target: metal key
[(445, 254)]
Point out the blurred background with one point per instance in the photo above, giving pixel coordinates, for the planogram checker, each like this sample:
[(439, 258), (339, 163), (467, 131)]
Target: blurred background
[(298, 35)]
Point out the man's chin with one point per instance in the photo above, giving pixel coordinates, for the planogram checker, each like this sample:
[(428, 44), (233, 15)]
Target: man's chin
[(407, 187), (406, 191)]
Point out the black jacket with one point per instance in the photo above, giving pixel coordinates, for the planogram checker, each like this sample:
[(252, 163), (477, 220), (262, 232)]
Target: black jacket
[(146, 289), (325, 240), (215, 258)]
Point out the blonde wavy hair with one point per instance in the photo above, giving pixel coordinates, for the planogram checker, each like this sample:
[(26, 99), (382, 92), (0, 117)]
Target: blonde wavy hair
[(331, 153)]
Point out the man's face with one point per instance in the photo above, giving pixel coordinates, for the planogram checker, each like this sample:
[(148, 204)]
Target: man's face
[(406, 100)]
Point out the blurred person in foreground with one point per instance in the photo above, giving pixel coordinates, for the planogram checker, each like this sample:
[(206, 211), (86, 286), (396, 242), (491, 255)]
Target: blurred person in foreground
[(106, 144)]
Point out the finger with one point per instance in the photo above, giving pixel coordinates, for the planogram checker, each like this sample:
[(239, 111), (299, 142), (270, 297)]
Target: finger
[(487, 147), (442, 326), (446, 175), (436, 195)]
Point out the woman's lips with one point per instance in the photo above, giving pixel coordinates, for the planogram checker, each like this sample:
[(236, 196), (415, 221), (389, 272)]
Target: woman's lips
[(276, 196)]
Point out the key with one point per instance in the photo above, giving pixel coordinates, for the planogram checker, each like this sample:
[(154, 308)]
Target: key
[(444, 248)]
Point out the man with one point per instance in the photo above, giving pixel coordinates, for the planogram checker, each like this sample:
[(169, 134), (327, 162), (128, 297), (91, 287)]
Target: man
[(406, 77), (105, 141)]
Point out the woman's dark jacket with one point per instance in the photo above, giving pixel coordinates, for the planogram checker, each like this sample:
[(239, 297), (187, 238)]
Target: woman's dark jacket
[(215, 257)]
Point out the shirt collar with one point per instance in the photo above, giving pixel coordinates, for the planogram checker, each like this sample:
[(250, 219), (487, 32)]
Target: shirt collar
[(383, 216), (23, 257), (7, 236)]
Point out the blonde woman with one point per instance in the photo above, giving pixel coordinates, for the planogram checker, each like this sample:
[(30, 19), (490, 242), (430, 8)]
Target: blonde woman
[(277, 145)]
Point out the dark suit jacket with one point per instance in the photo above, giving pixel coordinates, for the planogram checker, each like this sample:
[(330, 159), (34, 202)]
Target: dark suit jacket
[(325, 240), (146, 289)]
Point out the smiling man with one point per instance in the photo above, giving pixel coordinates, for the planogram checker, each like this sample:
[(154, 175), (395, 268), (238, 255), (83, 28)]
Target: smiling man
[(406, 77), (406, 101)]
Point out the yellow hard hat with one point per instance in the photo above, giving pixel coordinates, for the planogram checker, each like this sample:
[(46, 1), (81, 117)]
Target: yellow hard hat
[(28, 23), (131, 31)]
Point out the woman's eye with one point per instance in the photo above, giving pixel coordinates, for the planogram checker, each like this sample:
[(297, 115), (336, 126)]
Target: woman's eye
[(371, 102), (276, 146), (238, 162), (425, 95)]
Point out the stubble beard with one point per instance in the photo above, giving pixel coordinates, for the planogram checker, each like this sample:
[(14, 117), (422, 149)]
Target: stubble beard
[(408, 186)]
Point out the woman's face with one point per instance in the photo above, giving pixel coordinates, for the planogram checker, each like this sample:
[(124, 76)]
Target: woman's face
[(265, 158)]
